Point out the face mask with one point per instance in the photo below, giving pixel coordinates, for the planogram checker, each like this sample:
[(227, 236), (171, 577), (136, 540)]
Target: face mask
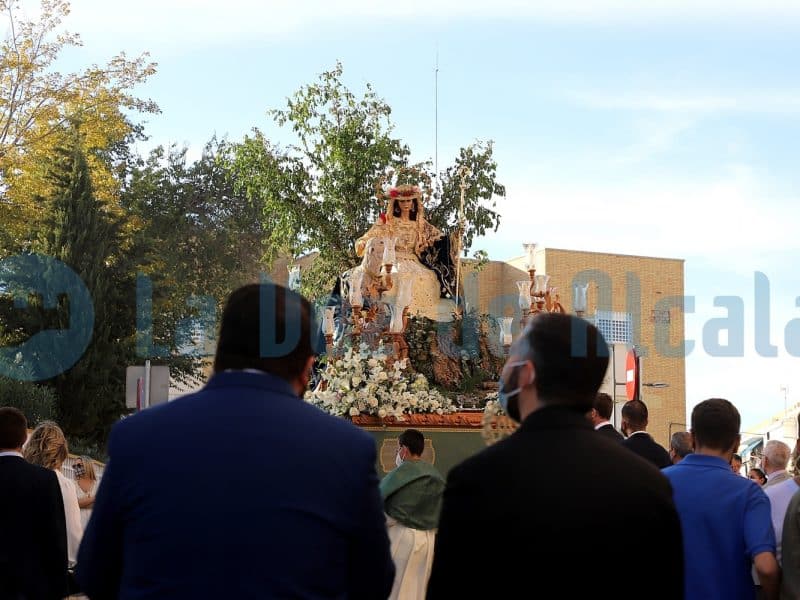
[(507, 400), (397, 460)]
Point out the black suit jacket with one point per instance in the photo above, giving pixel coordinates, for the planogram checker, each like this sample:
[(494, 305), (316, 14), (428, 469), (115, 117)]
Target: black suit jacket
[(645, 446), (609, 431), (557, 507), (33, 532)]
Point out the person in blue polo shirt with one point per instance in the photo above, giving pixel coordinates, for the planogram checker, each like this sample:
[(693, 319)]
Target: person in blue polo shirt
[(726, 521)]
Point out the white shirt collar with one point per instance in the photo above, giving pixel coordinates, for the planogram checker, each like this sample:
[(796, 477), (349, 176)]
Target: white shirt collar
[(11, 453), (602, 424)]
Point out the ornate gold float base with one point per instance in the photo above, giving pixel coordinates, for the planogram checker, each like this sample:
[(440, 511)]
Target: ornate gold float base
[(458, 420)]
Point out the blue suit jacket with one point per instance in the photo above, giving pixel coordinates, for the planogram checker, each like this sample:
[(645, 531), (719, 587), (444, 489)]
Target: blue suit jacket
[(241, 490)]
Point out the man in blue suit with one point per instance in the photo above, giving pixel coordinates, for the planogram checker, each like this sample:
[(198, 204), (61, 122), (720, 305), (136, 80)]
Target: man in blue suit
[(241, 490)]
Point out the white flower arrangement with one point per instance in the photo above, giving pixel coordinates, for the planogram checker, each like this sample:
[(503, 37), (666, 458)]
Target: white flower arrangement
[(496, 424), (360, 382), (492, 406)]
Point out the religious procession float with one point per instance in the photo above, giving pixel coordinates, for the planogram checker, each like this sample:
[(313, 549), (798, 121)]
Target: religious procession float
[(402, 347)]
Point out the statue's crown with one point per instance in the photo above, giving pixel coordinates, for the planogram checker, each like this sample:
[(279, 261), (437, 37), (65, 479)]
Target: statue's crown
[(386, 190), (405, 191)]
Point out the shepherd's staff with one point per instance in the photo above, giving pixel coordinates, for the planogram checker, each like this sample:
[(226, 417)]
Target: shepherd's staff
[(463, 173)]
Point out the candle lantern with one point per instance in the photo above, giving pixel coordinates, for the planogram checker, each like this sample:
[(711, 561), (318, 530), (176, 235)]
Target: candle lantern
[(530, 256), (328, 320), (524, 288), (540, 285), (579, 292), (356, 297), (505, 331)]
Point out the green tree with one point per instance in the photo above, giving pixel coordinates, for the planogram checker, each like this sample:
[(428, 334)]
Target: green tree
[(37, 103), (200, 240), (318, 195), (79, 232), (37, 402), (476, 165), (315, 196)]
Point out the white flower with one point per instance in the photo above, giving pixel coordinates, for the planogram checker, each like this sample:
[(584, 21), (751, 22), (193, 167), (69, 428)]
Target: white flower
[(360, 382)]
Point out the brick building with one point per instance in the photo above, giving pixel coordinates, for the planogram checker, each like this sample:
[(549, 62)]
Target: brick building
[(633, 300)]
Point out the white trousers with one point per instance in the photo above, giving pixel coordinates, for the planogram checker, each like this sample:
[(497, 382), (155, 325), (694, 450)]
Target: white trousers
[(412, 553)]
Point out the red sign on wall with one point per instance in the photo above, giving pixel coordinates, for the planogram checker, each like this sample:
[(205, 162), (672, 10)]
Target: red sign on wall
[(632, 375)]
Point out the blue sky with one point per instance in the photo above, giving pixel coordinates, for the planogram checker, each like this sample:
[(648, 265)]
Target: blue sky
[(662, 128)]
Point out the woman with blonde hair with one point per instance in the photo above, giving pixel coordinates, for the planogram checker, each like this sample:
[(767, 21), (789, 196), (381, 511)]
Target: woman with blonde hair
[(47, 447), (86, 486)]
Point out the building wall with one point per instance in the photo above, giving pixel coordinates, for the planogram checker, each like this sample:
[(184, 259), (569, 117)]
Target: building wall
[(493, 290)]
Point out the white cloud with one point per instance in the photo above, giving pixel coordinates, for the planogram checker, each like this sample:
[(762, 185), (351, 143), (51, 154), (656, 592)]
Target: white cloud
[(177, 23), (654, 136), (764, 101), (724, 220), (751, 383)]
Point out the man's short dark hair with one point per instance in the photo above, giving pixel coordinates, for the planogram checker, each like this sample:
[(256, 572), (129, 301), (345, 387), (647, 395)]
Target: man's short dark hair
[(604, 405), (13, 428), (570, 357), (286, 344), (635, 413), (681, 443), (413, 440), (737, 457), (715, 424)]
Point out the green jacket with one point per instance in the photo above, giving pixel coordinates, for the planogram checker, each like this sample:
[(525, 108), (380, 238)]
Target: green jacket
[(412, 494)]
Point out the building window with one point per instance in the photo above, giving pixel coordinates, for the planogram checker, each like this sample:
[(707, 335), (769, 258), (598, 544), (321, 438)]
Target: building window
[(616, 327), (660, 316)]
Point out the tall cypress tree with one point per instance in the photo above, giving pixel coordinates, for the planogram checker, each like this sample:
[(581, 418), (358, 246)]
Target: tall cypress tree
[(87, 236)]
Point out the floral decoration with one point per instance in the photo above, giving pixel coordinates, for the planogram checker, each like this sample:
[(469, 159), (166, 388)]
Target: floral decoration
[(496, 424), (364, 382)]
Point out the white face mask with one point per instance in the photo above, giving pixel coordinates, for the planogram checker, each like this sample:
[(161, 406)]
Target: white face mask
[(503, 396), (397, 460)]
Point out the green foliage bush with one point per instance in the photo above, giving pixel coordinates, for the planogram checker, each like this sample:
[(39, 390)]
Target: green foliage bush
[(37, 402)]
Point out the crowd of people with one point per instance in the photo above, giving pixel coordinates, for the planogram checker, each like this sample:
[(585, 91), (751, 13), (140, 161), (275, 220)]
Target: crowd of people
[(242, 490)]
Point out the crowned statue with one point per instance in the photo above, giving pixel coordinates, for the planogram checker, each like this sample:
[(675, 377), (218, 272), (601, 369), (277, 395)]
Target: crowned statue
[(403, 248)]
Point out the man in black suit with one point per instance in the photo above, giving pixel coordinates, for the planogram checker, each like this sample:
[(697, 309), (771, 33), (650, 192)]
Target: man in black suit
[(33, 530), (544, 534), (634, 426), (600, 415)]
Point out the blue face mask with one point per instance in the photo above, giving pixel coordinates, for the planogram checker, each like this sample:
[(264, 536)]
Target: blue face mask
[(507, 399)]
